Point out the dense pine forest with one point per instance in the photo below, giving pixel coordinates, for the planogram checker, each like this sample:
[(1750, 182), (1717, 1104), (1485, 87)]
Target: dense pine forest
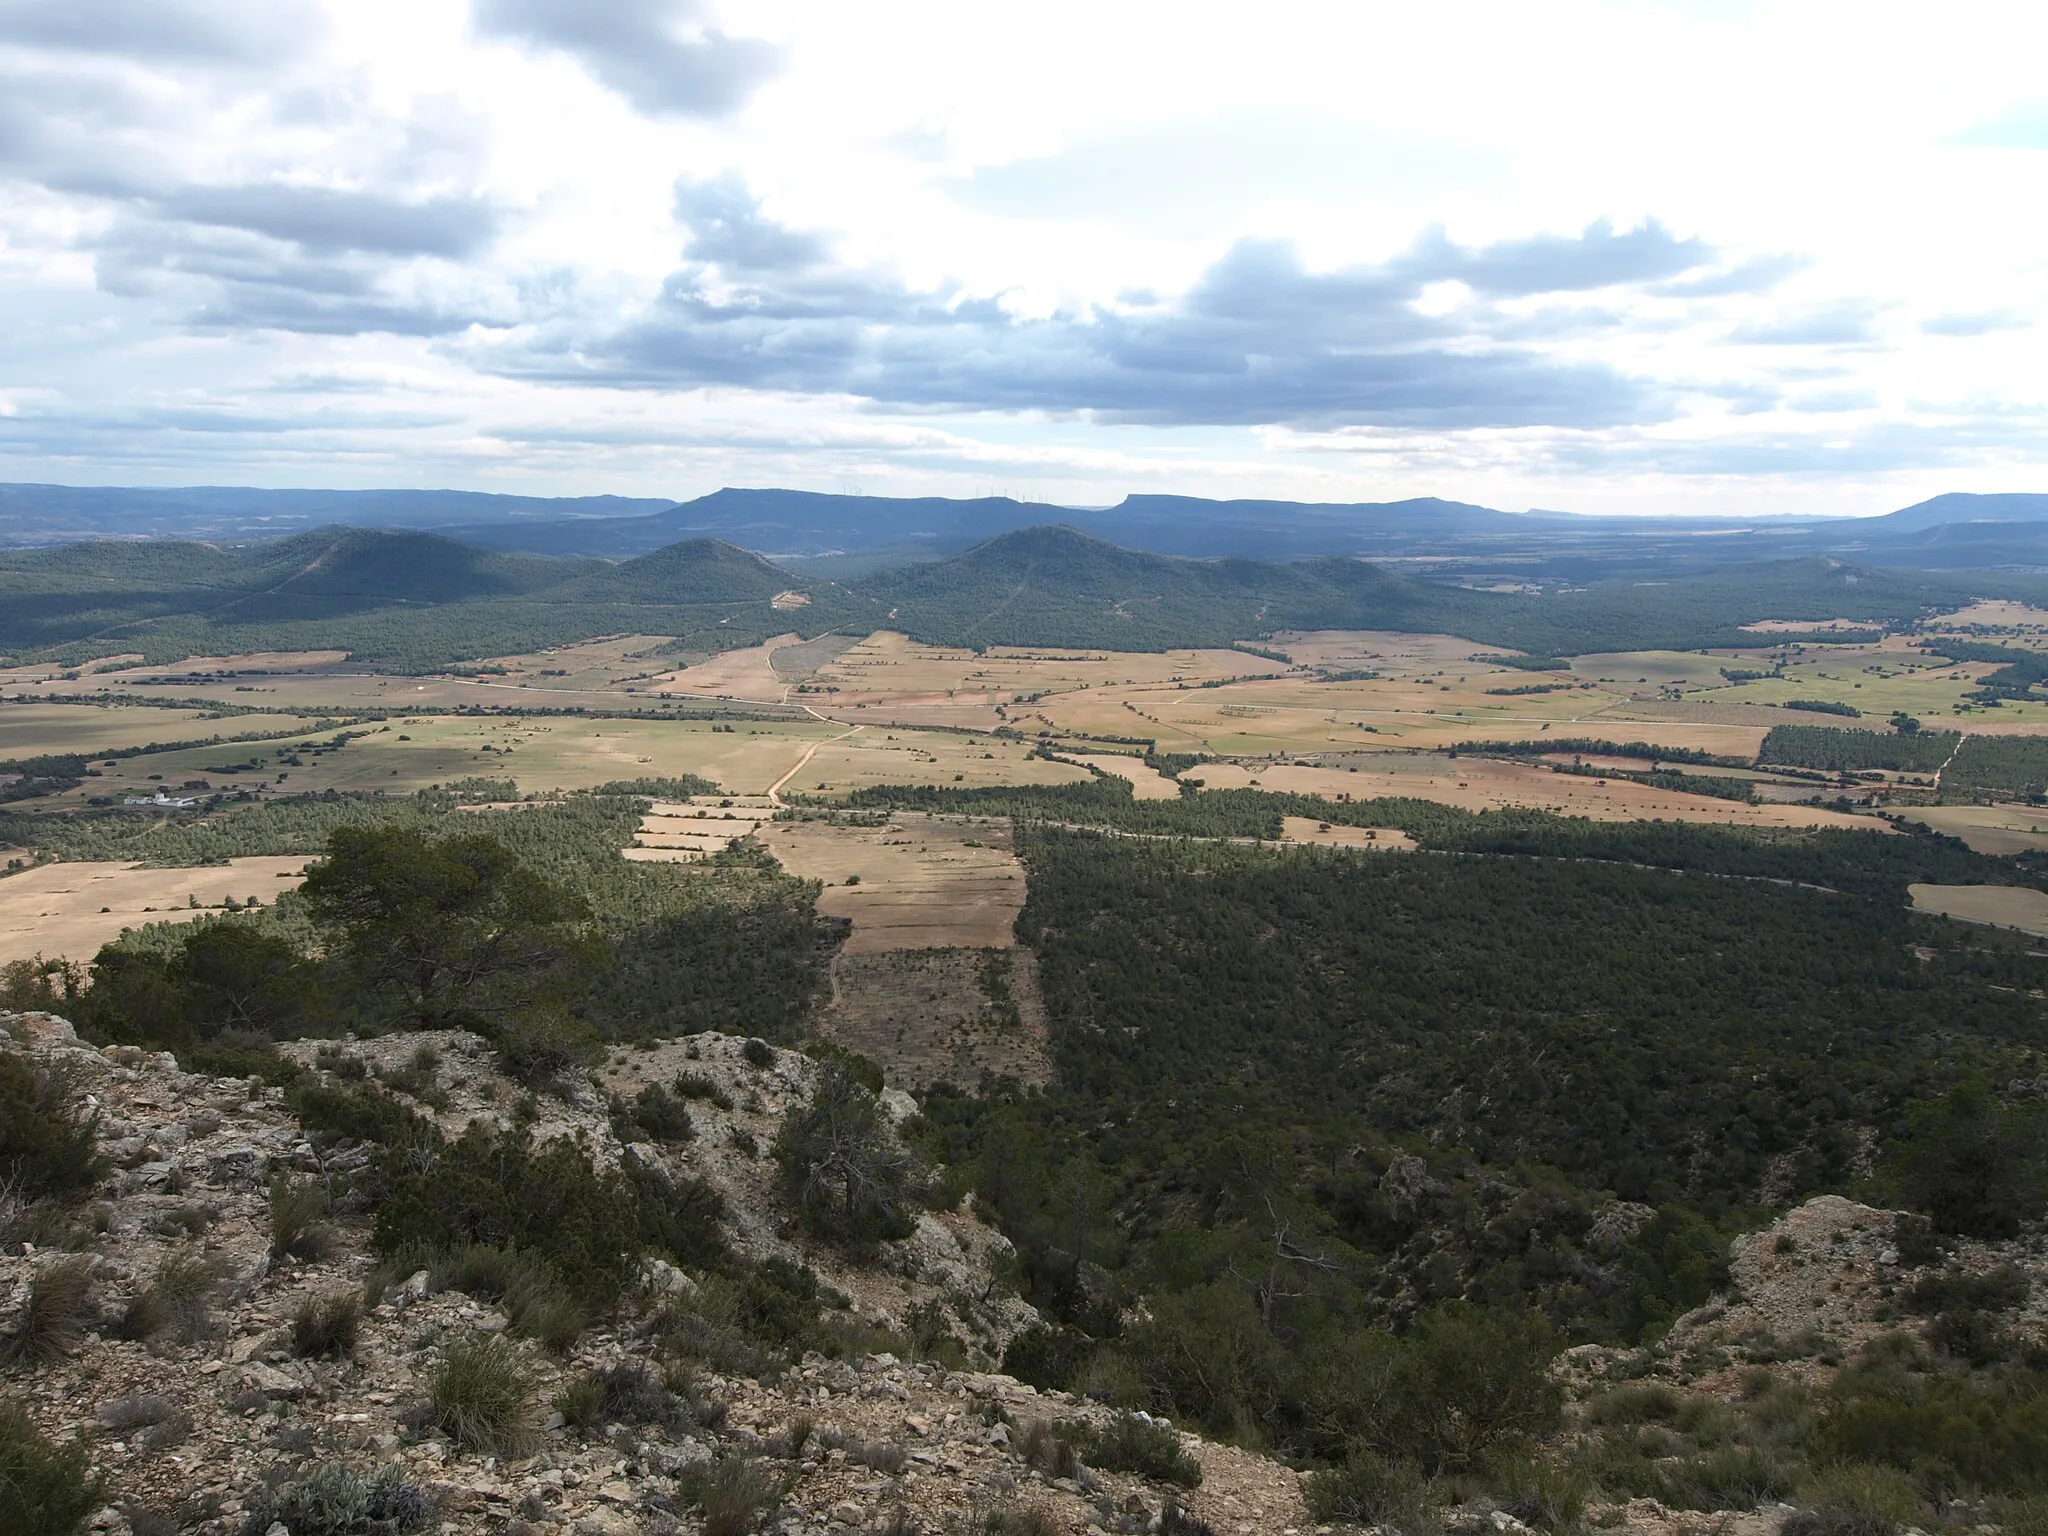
[(1305, 1093)]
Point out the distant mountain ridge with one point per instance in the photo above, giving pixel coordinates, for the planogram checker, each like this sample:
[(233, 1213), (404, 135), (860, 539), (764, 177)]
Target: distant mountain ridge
[(49, 514), (2006, 530), (419, 601)]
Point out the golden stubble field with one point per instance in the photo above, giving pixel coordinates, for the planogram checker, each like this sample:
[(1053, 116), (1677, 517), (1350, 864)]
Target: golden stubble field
[(685, 831), (941, 685), (923, 882), (1485, 784), (1146, 783), (1996, 829), (70, 910), (2003, 906), (747, 674), (35, 729)]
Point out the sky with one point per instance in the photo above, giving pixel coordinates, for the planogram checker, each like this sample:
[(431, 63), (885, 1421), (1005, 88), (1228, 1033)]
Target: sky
[(1698, 257)]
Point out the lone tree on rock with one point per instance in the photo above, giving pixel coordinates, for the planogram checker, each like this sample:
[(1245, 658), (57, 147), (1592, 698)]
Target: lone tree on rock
[(842, 1167)]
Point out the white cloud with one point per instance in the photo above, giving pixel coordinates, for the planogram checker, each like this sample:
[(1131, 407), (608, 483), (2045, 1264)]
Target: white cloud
[(1587, 254)]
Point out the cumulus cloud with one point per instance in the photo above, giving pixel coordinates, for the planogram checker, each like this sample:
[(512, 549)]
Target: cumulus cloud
[(1258, 338), (163, 31), (327, 220), (726, 227), (1977, 322), (1849, 322), (1759, 274), (1598, 258), (285, 245), (658, 54)]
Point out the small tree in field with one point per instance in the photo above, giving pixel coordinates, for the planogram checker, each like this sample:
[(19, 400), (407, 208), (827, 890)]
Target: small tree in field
[(842, 1167)]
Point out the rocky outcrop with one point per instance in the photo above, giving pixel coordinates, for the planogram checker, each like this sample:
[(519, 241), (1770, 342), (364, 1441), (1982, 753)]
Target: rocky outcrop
[(198, 1424)]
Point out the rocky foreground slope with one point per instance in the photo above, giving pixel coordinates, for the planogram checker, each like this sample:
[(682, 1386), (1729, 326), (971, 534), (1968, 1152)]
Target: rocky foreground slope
[(191, 1359), (201, 1425)]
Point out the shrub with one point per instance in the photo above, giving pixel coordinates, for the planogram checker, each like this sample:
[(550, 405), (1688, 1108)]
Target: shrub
[(177, 1299), (758, 1053), (883, 1456), (1370, 1489), (540, 1049), (297, 1229), (333, 1501), (1132, 1444), (679, 1217), (1996, 1290), (361, 1114), (480, 1395), (537, 1304), (45, 1489), (46, 1150), (1176, 1521), (842, 1167), (139, 1411), (58, 1310), (867, 1072), (1017, 1519), (498, 1190), (1471, 1383), (581, 1402), (734, 1495), (1637, 1402), (1726, 1477), (789, 1443), (695, 1085), (1051, 1447), (1848, 1500), (1540, 1492), (627, 1393), (660, 1115), (325, 1325)]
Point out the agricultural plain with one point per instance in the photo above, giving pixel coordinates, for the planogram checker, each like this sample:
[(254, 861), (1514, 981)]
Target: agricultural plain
[(68, 910)]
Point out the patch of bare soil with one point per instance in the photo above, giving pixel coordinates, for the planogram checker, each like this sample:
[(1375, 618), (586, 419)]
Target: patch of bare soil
[(941, 1015), (794, 663), (2002, 906)]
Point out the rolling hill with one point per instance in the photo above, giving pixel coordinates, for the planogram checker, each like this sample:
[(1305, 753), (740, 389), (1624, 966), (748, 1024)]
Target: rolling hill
[(414, 601)]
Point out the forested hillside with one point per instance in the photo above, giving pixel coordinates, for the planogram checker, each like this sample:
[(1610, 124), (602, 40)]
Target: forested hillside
[(1302, 1093), (418, 601)]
